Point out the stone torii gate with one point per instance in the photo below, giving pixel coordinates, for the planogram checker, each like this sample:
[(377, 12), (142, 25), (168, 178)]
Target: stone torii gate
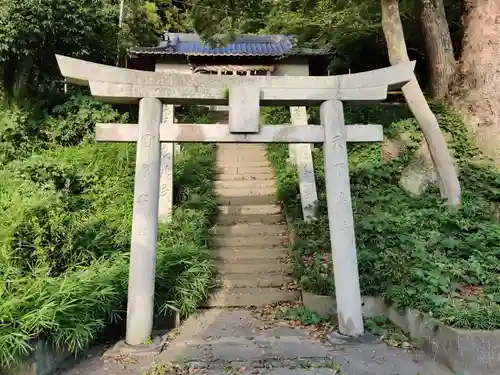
[(244, 94)]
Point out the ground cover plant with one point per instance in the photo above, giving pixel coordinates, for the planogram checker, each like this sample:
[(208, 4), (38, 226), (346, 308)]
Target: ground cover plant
[(412, 251), (65, 214)]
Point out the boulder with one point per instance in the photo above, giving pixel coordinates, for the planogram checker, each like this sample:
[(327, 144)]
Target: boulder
[(393, 147), (421, 173)]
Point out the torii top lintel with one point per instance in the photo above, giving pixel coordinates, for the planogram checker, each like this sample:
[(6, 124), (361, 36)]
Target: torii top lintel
[(118, 85)]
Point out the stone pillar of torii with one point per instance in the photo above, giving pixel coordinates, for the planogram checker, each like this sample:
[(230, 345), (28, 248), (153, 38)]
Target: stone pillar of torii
[(152, 90)]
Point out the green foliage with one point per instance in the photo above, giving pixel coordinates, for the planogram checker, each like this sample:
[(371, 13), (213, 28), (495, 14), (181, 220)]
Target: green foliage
[(20, 133), (65, 237), (33, 31), (338, 25), (26, 129), (140, 25), (303, 315), (75, 119), (66, 216), (350, 29), (193, 114), (383, 327), (170, 16), (412, 251)]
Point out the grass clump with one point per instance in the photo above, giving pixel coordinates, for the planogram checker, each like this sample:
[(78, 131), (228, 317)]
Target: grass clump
[(66, 216), (412, 251)]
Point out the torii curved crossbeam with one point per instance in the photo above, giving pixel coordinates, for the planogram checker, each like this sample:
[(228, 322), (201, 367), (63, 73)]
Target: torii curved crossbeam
[(119, 85)]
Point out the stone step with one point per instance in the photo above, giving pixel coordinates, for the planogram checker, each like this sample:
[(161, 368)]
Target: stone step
[(250, 241), (339, 365), (270, 209), (241, 297), (241, 155), (238, 157), (241, 192), (238, 219), (241, 164), (244, 200), (245, 184), (243, 170), (241, 146), (253, 267), (250, 229), (255, 347), (243, 177), (276, 367), (249, 254), (242, 280), (234, 341), (251, 154)]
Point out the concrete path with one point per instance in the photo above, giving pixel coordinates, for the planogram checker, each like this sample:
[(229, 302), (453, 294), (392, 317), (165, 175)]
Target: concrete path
[(222, 341), (250, 235), (238, 341)]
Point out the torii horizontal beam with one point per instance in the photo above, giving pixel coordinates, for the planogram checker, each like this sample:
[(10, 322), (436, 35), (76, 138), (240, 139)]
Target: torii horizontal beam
[(126, 93), (220, 133), (82, 72)]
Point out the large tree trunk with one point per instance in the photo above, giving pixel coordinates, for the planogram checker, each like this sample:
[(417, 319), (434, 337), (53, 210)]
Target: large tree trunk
[(440, 56), (393, 32), (477, 90)]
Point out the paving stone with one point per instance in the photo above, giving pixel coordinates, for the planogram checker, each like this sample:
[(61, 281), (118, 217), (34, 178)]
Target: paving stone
[(239, 219), (250, 267), (245, 254), (247, 200), (245, 297), (244, 184), (250, 241), (250, 229), (244, 170), (242, 164), (226, 341), (241, 192), (264, 280), (272, 209), (243, 177), (241, 156)]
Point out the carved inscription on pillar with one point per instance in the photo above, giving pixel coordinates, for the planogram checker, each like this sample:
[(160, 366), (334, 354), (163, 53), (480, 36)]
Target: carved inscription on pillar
[(146, 139), (166, 182), (166, 202), (338, 192), (301, 155), (144, 224)]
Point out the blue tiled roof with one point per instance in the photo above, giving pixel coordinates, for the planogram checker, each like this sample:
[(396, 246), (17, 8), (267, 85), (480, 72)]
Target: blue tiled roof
[(245, 45)]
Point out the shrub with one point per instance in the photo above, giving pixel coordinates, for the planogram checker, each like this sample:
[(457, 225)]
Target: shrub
[(29, 129), (65, 238), (20, 133), (74, 120)]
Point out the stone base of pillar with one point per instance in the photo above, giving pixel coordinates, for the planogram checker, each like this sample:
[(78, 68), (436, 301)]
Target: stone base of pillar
[(121, 348)]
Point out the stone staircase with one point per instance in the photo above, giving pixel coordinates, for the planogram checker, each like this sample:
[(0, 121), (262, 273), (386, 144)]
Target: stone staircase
[(250, 235)]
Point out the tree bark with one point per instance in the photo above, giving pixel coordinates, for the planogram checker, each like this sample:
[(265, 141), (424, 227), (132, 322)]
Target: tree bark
[(477, 85), (396, 45), (437, 38)]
